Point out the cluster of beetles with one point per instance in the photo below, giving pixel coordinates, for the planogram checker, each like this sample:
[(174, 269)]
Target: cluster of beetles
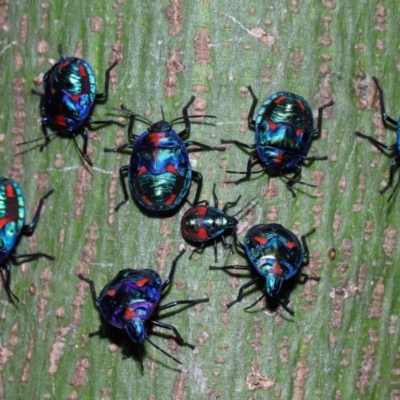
[(159, 175)]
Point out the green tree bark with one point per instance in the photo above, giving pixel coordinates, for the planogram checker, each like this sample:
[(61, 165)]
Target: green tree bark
[(344, 340)]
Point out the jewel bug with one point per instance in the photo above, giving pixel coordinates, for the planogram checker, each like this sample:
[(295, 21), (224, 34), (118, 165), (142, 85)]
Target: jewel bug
[(202, 223), (12, 226), (277, 255), (382, 146), (68, 100), (131, 302), (284, 129), (159, 172)]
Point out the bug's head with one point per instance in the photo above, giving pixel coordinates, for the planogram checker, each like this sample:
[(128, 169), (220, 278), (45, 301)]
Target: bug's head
[(231, 222), (270, 267), (136, 330), (273, 284), (160, 126), (8, 237)]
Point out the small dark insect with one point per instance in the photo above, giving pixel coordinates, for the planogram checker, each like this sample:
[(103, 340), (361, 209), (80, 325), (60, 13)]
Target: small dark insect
[(332, 253), (394, 148), (202, 223), (284, 129), (131, 302), (69, 98), (277, 256), (159, 172), (12, 226)]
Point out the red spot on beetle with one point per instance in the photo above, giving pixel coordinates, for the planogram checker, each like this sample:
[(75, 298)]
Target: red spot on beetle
[(129, 314), (82, 70), (279, 99), (260, 239), (171, 199), (142, 282)]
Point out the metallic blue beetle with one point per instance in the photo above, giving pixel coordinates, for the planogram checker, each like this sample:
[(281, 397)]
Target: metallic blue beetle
[(131, 302), (382, 146), (68, 99), (159, 172), (284, 128), (12, 226), (276, 254), (203, 223)]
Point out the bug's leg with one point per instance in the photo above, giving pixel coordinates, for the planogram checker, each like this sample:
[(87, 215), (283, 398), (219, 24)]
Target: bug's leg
[(33, 256), (94, 298), (44, 131), (240, 144), (28, 229), (215, 251), (7, 283), (286, 307), (132, 117), (107, 122), (179, 302), (385, 117), (162, 351), (60, 52), (122, 170), (317, 132), (306, 252), (393, 166), (315, 158), (37, 93), (83, 151), (246, 267), (231, 204), (186, 118), (118, 149), (248, 171), (203, 146), (294, 179), (238, 244), (252, 108), (376, 143), (107, 83), (199, 249), (242, 288), (172, 272), (257, 301), (199, 178), (215, 196), (309, 277), (226, 244), (178, 337)]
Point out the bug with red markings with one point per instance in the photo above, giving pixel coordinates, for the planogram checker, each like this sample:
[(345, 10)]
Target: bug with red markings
[(12, 226), (69, 98), (277, 255), (131, 302), (203, 223), (284, 129), (159, 172)]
